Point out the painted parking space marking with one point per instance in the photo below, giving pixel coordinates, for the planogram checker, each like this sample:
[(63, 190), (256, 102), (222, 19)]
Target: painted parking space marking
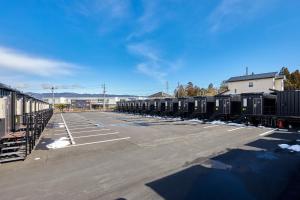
[(104, 129), (102, 134), (69, 133), (267, 132), (234, 129), (84, 128), (98, 142)]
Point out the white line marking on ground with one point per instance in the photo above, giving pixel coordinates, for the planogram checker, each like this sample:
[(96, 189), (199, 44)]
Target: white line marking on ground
[(266, 133), (103, 141), (210, 126), (83, 128), (104, 129), (69, 133), (75, 126), (235, 129), (85, 136)]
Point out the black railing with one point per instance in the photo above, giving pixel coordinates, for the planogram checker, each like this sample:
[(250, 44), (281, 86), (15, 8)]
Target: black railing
[(35, 125)]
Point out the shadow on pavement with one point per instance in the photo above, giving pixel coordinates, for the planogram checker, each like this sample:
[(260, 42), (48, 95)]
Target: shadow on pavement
[(236, 174)]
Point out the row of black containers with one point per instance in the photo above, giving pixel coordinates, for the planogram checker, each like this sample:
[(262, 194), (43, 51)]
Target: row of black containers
[(278, 109)]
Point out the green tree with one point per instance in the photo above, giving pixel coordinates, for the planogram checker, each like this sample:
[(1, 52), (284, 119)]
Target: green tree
[(292, 81), (61, 107), (223, 87)]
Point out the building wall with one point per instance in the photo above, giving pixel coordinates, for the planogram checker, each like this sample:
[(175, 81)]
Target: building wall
[(259, 85), (93, 100)]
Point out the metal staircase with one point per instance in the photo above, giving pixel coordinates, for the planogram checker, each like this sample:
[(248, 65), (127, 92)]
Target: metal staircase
[(13, 149)]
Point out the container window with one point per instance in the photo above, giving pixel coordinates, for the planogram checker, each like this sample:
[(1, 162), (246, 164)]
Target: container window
[(217, 102), (250, 84), (245, 102)]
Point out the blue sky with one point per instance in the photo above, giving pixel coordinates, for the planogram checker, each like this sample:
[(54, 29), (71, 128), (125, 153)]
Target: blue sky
[(136, 46)]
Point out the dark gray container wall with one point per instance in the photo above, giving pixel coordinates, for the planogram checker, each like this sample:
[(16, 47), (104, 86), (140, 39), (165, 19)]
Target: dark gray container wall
[(258, 104), (288, 103)]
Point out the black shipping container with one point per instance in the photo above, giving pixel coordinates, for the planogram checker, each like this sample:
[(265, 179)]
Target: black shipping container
[(288, 103), (228, 105), (204, 106), (174, 106), (187, 106), (258, 104)]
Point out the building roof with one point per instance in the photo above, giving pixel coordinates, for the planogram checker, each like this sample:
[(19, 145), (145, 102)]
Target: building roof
[(254, 77), (160, 95)]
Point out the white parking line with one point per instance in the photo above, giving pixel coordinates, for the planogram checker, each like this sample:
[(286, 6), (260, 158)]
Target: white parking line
[(266, 133), (85, 136), (103, 141), (104, 129), (79, 125), (235, 129), (210, 126), (69, 133), (84, 128)]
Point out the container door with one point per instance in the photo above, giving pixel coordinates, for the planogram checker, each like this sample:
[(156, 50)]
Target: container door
[(203, 106), (226, 106), (257, 106)]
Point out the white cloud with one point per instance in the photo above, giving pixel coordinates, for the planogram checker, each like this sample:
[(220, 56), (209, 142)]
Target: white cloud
[(108, 15), (230, 13), (152, 64), (109, 8), (12, 60)]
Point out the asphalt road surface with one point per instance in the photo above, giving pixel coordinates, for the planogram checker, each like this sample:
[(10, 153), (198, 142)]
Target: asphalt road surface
[(121, 156)]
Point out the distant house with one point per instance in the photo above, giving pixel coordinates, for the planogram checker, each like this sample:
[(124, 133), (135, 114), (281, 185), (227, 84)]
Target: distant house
[(255, 83), (160, 95)]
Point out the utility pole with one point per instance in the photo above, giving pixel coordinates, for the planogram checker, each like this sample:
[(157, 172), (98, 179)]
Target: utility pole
[(104, 91), (52, 89), (167, 87)]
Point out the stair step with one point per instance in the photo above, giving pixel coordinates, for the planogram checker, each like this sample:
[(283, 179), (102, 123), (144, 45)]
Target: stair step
[(15, 142), (12, 153), (9, 148), (11, 159)]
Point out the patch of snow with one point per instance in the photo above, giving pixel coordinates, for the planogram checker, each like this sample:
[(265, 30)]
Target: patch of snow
[(236, 124), (37, 158), (196, 120), (292, 148), (60, 143), (280, 129), (217, 122), (295, 147), (284, 146)]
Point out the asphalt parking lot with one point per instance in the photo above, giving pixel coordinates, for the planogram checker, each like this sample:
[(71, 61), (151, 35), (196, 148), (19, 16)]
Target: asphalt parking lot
[(121, 156)]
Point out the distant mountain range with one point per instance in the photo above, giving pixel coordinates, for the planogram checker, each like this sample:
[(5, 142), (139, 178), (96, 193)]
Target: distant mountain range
[(71, 94)]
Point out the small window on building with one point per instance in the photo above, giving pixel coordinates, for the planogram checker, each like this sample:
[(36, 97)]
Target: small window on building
[(217, 103), (250, 84), (196, 103), (245, 102), (179, 103)]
